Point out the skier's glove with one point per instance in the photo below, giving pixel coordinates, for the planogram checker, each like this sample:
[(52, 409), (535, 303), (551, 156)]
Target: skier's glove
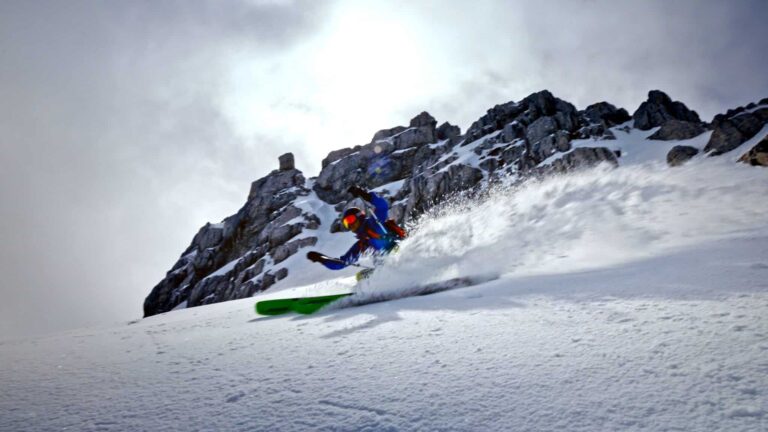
[(359, 192), (314, 256)]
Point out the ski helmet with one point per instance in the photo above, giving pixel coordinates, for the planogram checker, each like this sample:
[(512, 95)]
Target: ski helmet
[(352, 218)]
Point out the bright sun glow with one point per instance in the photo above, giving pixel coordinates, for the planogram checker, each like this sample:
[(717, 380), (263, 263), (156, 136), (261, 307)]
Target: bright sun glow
[(336, 89), (369, 59), (366, 67)]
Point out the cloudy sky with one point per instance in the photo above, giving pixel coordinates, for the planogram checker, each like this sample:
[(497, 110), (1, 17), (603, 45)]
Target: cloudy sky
[(125, 126)]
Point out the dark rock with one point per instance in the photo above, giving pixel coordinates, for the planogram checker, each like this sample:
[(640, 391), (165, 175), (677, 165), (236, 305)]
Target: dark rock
[(659, 109), (675, 130), (757, 155), (423, 120), (281, 274), (490, 164), (448, 131), (513, 153), (540, 128), (549, 145), (681, 154), (378, 136), (286, 162), (283, 251), (734, 128), (339, 154), (383, 161), (605, 115), (513, 131), (239, 243), (427, 190)]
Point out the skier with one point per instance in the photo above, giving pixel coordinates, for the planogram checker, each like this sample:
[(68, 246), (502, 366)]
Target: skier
[(374, 232)]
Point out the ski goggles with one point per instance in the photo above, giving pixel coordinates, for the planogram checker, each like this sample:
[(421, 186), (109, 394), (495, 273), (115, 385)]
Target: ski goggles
[(351, 222)]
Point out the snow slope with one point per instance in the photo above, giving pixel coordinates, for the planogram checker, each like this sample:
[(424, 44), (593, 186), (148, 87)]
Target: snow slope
[(675, 342), (626, 299)]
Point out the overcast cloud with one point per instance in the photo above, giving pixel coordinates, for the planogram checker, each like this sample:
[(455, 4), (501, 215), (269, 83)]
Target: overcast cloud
[(125, 126)]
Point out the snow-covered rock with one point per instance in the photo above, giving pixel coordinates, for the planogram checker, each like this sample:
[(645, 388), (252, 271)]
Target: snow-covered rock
[(675, 130), (757, 155), (680, 154), (235, 259)]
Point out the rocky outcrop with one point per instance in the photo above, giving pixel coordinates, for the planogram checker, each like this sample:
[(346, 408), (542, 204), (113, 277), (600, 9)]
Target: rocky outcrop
[(241, 255), (424, 191), (416, 167), (536, 128), (511, 138), (678, 155), (757, 155), (675, 130), (735, 127), (392, 155), (598, 118), (556, 114), (286, 162), (605, 114), (448, 131), (659, 108)]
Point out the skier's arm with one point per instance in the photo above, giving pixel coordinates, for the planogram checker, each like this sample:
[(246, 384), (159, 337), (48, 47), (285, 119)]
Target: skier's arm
[(381, 208), (350, 257)]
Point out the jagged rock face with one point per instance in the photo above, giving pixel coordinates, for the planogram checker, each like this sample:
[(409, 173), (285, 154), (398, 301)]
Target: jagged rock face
[(533, 130), (423, 120), (605, 114), (287, 162), (525, 113), (735, 127), (659, 108), (511, 138), (448, 131), (424, 191), (678, 155), (392, 155), (246, 253), (675, 130), (598, 118), (227, 261), (757, 155)]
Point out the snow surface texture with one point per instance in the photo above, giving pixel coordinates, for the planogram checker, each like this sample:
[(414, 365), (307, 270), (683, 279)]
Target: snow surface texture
[(626, 299)]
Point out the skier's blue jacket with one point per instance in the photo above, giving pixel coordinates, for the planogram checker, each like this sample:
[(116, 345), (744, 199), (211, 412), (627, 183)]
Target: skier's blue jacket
[(371, 234)]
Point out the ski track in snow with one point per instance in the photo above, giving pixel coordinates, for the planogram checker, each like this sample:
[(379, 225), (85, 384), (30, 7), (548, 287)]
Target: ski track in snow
[(628, 299)]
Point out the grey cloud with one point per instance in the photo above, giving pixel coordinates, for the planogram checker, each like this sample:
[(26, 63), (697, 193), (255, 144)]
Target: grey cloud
[(113, 152), (705, 53)]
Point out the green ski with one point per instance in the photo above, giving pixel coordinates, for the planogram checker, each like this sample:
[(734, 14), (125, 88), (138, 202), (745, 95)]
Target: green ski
[(302, 305)]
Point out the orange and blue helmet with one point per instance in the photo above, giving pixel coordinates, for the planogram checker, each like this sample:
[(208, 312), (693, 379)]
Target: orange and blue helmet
[(352, 218)]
